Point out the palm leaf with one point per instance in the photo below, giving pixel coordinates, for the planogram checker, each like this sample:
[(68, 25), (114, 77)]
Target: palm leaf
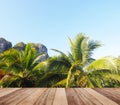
[(60, 83), (103, 63), (76, 48)]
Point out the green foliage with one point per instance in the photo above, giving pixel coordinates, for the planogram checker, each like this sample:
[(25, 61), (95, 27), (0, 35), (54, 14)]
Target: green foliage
[(21, 67), (75, 69), (83, 70), (103, 63)]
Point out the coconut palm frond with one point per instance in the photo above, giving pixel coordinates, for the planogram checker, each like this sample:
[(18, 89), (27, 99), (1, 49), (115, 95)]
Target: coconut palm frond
[(60, 83), (58, 62), (70, 57), (76, 48), (50, 78), (21, 65), (58, 51), (87, 49), (103, 63), (104, 77)]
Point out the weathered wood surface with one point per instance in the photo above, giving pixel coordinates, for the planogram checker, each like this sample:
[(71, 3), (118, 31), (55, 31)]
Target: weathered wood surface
[(59, 96)]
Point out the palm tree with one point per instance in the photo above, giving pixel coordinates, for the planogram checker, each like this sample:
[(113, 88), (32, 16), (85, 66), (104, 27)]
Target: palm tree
[(105, 71), (77, 63), (20, 67)]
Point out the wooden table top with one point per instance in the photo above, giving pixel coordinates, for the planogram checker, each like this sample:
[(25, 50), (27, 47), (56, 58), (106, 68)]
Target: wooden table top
[(59, 96)]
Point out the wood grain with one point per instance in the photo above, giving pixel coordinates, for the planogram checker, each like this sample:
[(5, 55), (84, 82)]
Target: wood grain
[(108, 92), (104, 100), (73, 97), (7, 91), (59, 96)]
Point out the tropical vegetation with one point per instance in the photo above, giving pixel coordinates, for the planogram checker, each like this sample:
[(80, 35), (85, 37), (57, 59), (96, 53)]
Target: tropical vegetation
[(78, 68)]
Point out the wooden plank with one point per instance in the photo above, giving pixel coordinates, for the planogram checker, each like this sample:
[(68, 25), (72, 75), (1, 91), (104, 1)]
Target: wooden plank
[(6, 91), (90, 97), (104, 100), (16, 98), (46, 97), (113, 94), (20, 97), (51, 96), (30, 100), (83, 97), (73, 98), (9, 96), (42, 99), (60, 97)]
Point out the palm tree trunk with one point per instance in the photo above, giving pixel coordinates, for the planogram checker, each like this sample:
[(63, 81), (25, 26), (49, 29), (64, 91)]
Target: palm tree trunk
[(69, 76)]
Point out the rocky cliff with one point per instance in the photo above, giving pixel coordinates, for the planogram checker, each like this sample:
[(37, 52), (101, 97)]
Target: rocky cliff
[(4, 45), (40, 48)]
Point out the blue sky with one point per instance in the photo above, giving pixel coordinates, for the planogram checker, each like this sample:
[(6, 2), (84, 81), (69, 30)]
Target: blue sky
[(50, 22)]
